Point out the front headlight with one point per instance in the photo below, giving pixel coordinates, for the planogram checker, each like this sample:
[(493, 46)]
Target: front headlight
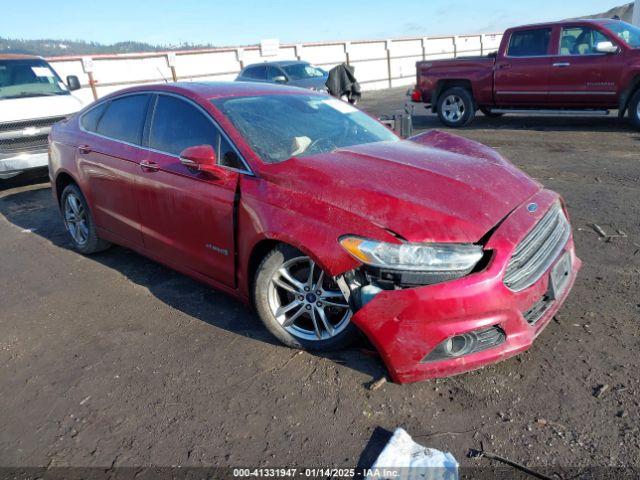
[(456, 259)]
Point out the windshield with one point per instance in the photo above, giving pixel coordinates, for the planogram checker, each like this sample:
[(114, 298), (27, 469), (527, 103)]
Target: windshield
[(300, 71), (629, 34), (29, 78), (278, 127)]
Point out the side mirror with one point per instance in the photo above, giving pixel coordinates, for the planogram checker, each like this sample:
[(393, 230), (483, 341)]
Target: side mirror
[(203, 159), (606, 47), (73, 83), (280, 79)]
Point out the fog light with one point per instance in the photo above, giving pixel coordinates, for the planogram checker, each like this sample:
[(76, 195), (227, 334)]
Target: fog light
[(459, 345), (467, 343)]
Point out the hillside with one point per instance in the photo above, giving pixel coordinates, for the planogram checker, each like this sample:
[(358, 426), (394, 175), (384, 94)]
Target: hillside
[(51, 48), (625, 12)]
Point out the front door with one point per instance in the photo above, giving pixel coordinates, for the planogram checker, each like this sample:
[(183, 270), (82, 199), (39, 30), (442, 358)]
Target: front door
[(581, 76), (187, 217), (522, 73)]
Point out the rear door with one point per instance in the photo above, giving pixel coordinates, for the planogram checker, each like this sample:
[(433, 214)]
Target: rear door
[(109, 155), (582, 77), (187, 217), (522, 73)]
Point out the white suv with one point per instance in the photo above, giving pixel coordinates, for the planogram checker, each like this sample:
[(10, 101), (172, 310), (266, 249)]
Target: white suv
[(32, 99)]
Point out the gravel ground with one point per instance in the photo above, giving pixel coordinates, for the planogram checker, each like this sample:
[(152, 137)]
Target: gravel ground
[(114, 360)]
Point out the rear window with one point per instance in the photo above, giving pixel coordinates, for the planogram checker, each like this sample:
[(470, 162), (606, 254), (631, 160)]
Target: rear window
[(124, 118), (530, 43)]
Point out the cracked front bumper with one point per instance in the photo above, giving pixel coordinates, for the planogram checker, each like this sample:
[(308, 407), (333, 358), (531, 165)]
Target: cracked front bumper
[(406, 325)]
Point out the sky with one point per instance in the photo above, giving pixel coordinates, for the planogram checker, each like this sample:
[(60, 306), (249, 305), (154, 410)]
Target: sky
[(242, 22)]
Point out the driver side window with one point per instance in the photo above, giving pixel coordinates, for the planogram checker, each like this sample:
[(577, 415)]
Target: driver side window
[(178, 125), (580, 41), (273, 72)]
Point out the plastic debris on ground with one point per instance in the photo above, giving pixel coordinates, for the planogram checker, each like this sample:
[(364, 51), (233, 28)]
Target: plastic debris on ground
[(404, 459)]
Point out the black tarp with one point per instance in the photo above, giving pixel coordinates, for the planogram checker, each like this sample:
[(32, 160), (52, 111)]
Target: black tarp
[(342, 82)]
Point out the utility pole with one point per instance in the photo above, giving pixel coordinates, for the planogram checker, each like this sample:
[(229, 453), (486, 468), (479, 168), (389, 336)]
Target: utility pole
[(636, 13)]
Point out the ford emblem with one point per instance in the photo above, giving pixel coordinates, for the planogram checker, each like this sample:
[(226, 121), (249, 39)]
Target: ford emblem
[(532, 207)]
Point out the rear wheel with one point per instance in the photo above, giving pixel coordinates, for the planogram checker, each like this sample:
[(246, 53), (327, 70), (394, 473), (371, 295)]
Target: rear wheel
[(456, 107), (79, 222), (634, 110), (300, 304)]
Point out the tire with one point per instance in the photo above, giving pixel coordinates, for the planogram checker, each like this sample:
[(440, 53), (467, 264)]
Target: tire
[(456, 107), (488, 113), (300, 325), (79, 222), (634, 110)]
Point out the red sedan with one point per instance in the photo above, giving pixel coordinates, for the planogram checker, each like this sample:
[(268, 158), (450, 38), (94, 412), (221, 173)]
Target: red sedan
[(440, 251)]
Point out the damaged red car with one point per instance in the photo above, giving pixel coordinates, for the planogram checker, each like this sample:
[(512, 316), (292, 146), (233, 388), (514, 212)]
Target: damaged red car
[(437, 249)]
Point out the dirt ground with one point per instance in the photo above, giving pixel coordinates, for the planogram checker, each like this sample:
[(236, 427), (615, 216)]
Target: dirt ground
[(114, 360)]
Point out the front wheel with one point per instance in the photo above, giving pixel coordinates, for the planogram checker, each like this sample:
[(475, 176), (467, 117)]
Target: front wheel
[(456, 107), (634, 110), (300, 304)]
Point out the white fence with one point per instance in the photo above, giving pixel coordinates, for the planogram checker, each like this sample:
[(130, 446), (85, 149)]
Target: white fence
[(378, 63)]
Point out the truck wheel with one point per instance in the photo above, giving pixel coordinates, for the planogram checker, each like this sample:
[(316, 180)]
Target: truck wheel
[(634, 110), (456, 107), (299, 304), (488, 113), (79, 222)]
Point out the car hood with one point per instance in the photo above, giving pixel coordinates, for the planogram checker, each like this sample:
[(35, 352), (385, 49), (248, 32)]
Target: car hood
[(436, 187), (319, 83), (30, 108)]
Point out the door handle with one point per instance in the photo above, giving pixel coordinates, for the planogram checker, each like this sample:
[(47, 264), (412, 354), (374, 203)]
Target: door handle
[(84, 149), (504, 66), (562, 64), (148, 166)]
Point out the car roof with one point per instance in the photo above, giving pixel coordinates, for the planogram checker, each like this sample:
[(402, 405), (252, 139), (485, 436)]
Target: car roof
[(592, 21), (209, 90), (279, 63)]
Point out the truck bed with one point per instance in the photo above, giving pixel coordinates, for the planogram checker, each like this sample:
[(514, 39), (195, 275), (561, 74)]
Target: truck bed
[(477, 71)]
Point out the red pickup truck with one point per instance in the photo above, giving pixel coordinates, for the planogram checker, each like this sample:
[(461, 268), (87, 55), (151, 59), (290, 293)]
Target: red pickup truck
[(583, 65)]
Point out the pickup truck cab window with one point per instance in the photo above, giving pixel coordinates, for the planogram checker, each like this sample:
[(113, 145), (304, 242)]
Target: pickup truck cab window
[(530, 43), (580, 41)]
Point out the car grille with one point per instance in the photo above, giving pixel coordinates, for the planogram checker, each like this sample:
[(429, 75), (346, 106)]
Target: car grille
[(535, 254), (22, 124), (15, 137), (25, 144)]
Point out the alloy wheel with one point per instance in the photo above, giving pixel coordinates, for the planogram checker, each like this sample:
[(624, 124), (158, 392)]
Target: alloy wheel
[(75, 219), (453, 108), (307, 303)]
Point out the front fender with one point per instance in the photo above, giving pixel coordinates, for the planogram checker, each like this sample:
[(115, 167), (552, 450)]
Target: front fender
[(269, 212)]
